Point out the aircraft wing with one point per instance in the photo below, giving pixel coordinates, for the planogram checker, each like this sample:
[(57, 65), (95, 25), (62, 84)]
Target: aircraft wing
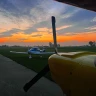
[(19, 52), (48, 53), (38, 53), (59, 53), (70, 53), (86, 4)]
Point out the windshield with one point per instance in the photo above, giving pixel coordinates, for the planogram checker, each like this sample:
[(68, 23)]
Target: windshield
[(34, 49)]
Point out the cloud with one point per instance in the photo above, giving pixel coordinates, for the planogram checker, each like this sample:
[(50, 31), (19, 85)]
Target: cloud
[(9, 32), (30, 30), (23, 15), (91, 28), (63, 27), (22, 20), (45, 9), (83, 15), (9, 21), (2, 30), (8, 6), (43, 29), (70, 14), (22, 39), (38, 35), (93, 20)]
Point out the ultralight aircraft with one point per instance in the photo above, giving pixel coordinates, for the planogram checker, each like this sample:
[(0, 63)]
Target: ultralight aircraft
[(34, 51)]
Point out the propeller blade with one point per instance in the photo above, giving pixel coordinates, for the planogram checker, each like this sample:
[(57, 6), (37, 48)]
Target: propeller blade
[(54, 34), (46, 69), (36, 78)]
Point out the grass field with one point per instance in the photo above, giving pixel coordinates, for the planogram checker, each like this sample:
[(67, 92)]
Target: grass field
[(37, 63)]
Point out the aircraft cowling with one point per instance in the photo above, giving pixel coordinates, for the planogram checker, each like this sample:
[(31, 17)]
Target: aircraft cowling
[(75, 74)]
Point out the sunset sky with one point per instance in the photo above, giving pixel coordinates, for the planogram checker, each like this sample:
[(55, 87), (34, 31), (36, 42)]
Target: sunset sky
[(28, 22)]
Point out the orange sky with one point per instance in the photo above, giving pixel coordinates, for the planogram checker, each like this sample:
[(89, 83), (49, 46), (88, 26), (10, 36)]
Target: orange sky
[(46, 37), (82, 37), (3, 40), (31, 23)]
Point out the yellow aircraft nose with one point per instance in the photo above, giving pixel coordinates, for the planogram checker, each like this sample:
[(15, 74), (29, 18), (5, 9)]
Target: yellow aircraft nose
[(61, 70), (74, 79)]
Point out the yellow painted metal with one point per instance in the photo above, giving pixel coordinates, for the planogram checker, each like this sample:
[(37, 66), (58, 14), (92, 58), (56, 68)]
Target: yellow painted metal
[(76, 76)]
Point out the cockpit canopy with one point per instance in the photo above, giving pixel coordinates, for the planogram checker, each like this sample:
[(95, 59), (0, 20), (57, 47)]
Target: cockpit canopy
[(35, 49)]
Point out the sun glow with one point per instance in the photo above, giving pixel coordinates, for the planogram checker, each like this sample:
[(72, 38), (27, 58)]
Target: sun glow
[(43, 36)]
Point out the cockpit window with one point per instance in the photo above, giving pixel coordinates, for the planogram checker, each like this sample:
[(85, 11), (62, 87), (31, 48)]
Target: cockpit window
[(34, 49)]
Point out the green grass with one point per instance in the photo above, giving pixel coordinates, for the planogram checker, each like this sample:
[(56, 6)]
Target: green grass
[(37, 63)]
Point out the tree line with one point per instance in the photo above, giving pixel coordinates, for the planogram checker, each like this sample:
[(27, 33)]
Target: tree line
[(92, 43)]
